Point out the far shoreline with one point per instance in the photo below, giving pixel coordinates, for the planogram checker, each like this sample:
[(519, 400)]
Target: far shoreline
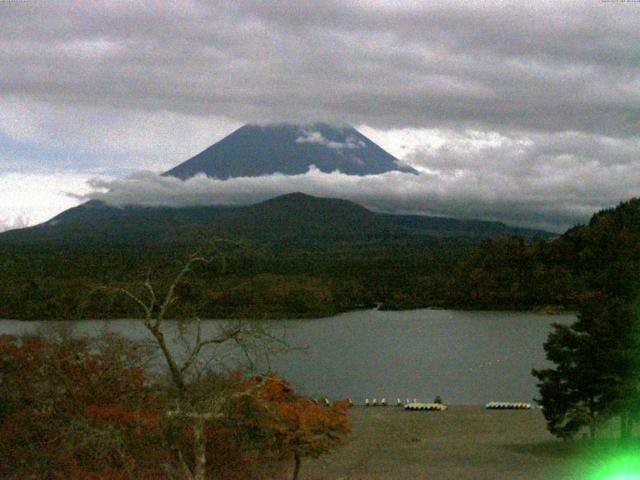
[(549, 310)]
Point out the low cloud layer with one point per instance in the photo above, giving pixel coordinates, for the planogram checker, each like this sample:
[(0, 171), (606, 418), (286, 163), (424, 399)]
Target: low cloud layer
[(450, 194)]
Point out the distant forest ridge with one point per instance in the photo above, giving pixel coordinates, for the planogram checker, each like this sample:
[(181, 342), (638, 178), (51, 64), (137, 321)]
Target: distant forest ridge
[(300, 256), (292, 216)]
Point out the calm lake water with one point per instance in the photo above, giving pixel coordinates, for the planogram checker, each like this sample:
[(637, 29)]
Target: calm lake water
[(465, 357)]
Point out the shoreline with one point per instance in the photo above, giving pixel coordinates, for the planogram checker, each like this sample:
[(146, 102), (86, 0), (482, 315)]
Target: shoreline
[(543, 310)]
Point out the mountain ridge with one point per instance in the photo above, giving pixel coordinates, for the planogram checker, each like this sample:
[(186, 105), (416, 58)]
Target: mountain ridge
[(292, 216)]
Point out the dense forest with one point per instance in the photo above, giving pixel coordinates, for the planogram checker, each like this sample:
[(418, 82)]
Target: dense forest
[(301, 276), (595, 374)]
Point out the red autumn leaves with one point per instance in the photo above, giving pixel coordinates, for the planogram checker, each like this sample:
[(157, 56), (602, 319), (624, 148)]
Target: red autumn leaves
[(78, 410)]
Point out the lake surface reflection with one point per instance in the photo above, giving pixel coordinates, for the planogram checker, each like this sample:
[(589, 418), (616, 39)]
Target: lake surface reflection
[(465, 357)]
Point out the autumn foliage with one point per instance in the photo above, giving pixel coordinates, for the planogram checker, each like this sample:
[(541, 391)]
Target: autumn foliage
[(71, 411), (297, 426), (74, 409)]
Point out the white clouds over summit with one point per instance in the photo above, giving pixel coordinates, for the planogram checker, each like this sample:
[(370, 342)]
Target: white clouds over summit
[(317, 137)]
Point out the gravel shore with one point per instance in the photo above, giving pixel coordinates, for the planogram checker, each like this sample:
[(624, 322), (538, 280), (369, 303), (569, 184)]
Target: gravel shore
[(464, 442)]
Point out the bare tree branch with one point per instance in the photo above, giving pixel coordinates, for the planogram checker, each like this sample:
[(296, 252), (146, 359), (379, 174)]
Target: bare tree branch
[(245, 336), (170, 298)]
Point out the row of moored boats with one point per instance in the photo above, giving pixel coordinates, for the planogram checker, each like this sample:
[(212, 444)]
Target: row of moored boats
[(433, 406), (508, 406)]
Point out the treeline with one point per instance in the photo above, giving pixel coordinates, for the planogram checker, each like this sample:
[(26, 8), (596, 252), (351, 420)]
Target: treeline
[(587, 263), (595, 376), (500, 274), (299, 281), (298, 278), (293, 279)]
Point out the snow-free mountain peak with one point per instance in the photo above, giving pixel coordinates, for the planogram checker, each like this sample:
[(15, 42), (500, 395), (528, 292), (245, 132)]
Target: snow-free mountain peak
[(256, 150)]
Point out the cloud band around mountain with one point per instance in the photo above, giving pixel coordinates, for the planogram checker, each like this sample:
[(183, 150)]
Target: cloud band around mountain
[(396, 192)]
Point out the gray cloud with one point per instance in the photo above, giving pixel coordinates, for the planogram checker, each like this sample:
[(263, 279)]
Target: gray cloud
[(78, 137), (552, 181), (545, 67)]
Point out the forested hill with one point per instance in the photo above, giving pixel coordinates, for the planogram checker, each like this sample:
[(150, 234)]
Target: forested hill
[(601, 258), (298, 256), (607, 249), (289, 217), (303, 256), (453, 227)]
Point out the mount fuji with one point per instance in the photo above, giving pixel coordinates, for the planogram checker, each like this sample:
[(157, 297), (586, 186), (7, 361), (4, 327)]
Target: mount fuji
[(256, 150)]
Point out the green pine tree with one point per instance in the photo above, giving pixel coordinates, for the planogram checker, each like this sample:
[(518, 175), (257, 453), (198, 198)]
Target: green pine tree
[(596, 373)]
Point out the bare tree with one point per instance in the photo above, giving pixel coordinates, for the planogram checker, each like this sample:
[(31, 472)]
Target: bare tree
[(183, 368)]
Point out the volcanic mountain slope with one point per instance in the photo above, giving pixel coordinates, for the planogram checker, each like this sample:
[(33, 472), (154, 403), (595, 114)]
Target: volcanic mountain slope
[(256, 150)]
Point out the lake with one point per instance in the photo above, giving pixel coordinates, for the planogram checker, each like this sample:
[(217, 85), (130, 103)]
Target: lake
[(466, 357)]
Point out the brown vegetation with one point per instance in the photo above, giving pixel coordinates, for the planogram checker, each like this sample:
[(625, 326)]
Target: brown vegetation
[(76, 409)]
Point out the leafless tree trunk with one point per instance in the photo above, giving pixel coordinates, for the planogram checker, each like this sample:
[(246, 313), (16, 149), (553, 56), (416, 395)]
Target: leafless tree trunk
[(296, 468), (154, 316)]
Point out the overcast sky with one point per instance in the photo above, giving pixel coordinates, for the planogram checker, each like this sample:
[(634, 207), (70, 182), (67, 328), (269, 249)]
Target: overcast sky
[(527, 112)]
